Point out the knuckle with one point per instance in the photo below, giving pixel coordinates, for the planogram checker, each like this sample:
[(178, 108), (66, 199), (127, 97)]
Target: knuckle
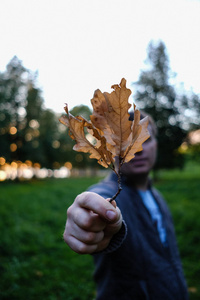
[(79, 198), (66, 236), (85, 249), (69, 212), (93, 238), (90, 237), (87, 223), (82, 249)]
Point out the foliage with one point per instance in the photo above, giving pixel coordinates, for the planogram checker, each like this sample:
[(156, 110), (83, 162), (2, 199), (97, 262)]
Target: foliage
[(20, 108), (193, 152), (35, 261), (82, 110), (28, 131), (169, 109), (189, 109)]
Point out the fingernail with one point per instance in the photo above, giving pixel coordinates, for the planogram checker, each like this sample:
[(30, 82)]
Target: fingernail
[(111, 215)]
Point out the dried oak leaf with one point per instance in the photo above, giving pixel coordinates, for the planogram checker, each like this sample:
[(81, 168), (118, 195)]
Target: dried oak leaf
[(76, 127), (139, 135), (114, 133), (111, 117)]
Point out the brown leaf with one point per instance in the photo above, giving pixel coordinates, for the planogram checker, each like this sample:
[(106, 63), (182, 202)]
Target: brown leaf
[(118, 116), (98, 117), (100, 146), (111, 116), (114, 133), (76, 127), (140, 134)]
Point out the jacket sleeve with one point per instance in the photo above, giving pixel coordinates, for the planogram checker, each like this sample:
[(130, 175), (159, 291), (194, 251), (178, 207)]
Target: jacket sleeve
[(117, 240)]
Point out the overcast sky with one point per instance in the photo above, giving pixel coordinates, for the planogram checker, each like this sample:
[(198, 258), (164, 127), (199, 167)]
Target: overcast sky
[(78, 46)]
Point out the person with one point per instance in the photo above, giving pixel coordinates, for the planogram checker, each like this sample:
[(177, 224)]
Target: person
[(132, 240)]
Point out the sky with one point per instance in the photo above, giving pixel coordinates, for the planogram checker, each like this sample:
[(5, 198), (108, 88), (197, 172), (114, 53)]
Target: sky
[(78, 46)]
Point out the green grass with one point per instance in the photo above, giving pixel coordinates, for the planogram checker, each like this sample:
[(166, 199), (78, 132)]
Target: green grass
[(35, 263), (181, 189)]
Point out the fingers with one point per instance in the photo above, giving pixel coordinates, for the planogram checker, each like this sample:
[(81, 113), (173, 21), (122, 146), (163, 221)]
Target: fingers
[(87, 219), (87, 237), (91, 223), (80, 247), (80, 240), (98, 205)]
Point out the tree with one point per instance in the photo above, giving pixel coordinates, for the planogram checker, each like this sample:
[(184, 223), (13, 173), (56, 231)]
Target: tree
[(12, 100), (188, 104), (157, 97), (5, 119), (28, 131), (81, 110), (20, 108)]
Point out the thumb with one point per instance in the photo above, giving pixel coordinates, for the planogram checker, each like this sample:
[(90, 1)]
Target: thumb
[(112, 202), (110, 214)]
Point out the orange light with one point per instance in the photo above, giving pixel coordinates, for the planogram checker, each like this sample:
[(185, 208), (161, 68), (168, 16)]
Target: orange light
[(2, 161), (23, 166), (14, 165), (6, 166), (37, 165), (13, 130), (28, 163), (68, 165), (13, 147)]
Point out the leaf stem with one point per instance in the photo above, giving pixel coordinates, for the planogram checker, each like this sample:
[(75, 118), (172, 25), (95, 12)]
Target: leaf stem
[(118, 173)]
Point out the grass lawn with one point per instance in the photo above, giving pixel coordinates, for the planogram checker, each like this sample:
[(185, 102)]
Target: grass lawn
[(35, 263)]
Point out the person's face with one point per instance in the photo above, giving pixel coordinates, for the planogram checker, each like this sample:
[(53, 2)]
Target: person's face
[(143, 161)]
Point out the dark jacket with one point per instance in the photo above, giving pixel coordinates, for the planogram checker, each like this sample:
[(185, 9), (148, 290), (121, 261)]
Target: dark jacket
[(141, 268)]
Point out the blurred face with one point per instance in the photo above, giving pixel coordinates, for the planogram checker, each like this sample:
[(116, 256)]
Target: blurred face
[(143, 161)]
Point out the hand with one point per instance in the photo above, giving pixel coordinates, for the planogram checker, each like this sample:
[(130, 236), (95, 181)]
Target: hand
[(91, 223)]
